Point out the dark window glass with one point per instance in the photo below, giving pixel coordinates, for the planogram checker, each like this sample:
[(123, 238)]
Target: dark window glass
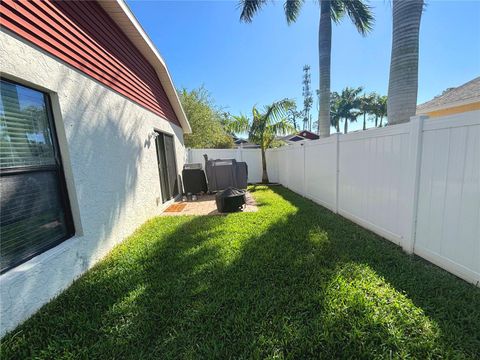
[(171, 166), (34, 210), (167, 166)]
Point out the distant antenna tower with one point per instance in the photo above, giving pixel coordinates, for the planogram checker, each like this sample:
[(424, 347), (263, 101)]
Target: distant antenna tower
[(307, 98)]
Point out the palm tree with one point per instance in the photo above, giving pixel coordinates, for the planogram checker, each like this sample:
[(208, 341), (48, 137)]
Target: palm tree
[(335, 110), (366, 107), (353, 116), (381, 108), (357, 10), (403, 81), (375, 105), (349, 103), (264, 127)]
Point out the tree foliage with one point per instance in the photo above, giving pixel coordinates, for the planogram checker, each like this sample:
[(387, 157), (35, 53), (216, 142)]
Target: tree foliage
[(206, 120), (295, 116), (348, 105), (380, 108), (264, 126), (359, 12)]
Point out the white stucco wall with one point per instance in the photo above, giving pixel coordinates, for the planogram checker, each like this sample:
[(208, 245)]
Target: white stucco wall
[(111, 170)]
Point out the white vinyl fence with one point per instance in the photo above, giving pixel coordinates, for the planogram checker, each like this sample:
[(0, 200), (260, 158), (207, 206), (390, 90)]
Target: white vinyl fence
[(251, 156), (416, 184)]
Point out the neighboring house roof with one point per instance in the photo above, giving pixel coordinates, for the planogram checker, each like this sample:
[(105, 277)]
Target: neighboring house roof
[(248, 145), (243, 143), (296, 138), (119, 11), (465, 94), (300, 136), (308, 135), (238, 140)]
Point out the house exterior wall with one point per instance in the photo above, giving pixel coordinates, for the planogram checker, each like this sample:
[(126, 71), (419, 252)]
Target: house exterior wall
[(110, 166), (453, 110), (83, 35)]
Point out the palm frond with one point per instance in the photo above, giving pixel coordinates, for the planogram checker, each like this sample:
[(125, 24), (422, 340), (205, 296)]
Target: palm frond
[(282, 127), (238, 124), (337, 10), (292, 9), (277, 111), (250, 8), (360, 13)]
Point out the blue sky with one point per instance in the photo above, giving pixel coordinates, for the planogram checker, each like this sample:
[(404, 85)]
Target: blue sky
[(203, 42)]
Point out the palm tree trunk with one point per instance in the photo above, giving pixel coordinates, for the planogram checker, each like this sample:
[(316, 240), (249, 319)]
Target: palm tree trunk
[(376, 120), (345, 126), (264, 168), (324, 52), (338, 126), (364, 121), (403, 81), (381, 120)]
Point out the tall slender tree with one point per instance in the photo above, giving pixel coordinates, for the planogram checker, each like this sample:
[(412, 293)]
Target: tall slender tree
[(264, 126), (294, 115), (381, 109), (403, 81), (374, 109), (335, 111), (348, 105), (307, 98), (366, 107), (357, 10)]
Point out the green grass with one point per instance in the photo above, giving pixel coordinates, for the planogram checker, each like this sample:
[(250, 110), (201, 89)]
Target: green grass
[(291, 281)]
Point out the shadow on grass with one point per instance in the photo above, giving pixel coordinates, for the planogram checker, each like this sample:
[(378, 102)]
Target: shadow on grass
[(292, 280)]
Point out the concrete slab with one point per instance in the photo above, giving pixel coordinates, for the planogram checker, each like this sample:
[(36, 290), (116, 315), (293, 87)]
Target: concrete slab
[(204, 205)]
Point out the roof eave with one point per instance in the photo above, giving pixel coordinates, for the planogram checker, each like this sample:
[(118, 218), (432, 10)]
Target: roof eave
[(424, 108)]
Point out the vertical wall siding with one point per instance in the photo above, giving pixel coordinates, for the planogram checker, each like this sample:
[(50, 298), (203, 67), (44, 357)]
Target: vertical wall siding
[(83, 35)]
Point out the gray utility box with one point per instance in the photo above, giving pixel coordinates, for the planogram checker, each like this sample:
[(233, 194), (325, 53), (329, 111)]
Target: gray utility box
[(194, 181), (242, 175), (225, 173)]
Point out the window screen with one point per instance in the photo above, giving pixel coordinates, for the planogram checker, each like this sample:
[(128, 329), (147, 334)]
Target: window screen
[(34, 209)]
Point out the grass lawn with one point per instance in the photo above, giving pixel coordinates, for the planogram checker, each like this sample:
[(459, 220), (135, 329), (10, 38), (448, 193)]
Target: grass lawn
[(290, 281)]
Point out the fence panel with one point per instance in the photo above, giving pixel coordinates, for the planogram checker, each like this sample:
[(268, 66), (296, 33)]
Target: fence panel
[(416, 184), (196, 155), (295, 158), (448, 215), (273, 157), (321, 171), (283, 166), (253, 158), (373, 179)]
